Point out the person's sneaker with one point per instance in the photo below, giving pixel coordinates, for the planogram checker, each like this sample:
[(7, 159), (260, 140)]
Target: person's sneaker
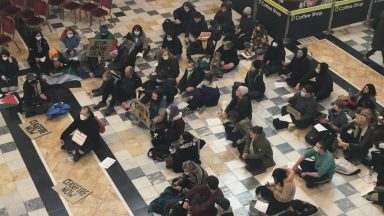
[(100, 105), (109, 111), (201, 109), (76, 156), (63, 147), (310, 185), (291, 126)]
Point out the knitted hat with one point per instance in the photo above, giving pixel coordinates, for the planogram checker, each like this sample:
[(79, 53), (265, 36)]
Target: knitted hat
[(52, 51), (243, 90), (247, 11), (223, 203), (213, 182)]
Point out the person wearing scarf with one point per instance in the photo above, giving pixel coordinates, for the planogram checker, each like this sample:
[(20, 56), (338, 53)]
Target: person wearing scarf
[(173, 124)]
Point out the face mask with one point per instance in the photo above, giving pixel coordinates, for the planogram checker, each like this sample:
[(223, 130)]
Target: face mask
[(69, 35), (168, 110), (5, 58), (82, 117), (274, 44), (189, 69), (217, 206), (169, 38), (38, 38), (302, 94), (258, 29), (55, 58), (165, 57), (317, 70), (136, 32), (316, 149)]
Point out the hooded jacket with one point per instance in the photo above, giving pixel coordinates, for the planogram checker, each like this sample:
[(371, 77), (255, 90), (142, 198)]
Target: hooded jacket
[(89, 127), (174, 46), (275, 55), (246, 27), (261, 150), (196, 28), (185, 17), (170, 67), (323, 80), (229, 56), (254, 81), (307, 106), (298, 68)]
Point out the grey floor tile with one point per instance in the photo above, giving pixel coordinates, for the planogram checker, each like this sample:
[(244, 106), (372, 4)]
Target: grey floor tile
[(347, 189), (250, 183), (135, 173), (345, 204), (33, 204), (226, 191), (281, 91), (278, 100), (285, 148), (245, 197), (4, 130), (275, 110), (3, 212), (241, 211), (7, 147), (156, 178)]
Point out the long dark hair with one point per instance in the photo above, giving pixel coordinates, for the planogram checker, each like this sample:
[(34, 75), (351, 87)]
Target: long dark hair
[(279, 175), (371, 90)]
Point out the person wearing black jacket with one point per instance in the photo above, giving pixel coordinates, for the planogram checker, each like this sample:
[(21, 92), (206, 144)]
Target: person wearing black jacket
[(229, 57), (9, 70), (298, 67), (274, 58), (38, 49), (194, 29), (183, 17), (87, 124), (125, 88), (173, 44), (323, 84), (241, 104), (223, 18), (172, 125), (191, 78), (167, 65), (35, 100), (105, 90), (254, 81), (244, 32)]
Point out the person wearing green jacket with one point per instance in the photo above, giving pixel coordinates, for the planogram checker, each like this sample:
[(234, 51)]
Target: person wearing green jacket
[(257, 150)]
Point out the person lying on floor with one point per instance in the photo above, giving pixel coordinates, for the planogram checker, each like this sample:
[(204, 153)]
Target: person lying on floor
[(305, 104), (257, 151), (87, 124), (280, 193), (35, 100), (320, 170), (200, 200)]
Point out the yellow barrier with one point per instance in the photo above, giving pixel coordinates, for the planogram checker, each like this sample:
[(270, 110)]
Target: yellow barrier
[(311, 9), (276, 6)]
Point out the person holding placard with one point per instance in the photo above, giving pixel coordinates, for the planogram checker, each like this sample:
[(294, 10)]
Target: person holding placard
[(318, 171), (305, 107), (280, 193), (86, 134)]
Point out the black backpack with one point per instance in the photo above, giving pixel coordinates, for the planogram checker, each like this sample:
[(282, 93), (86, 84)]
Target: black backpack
[(158, 153), (169, 27)]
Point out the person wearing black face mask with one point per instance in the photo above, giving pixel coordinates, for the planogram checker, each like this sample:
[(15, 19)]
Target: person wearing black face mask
[(297, 68), (336, 117), (173, 44), (87, 124), (35, 100)]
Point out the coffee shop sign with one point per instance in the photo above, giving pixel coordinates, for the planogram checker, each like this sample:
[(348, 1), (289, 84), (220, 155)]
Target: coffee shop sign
[(349, 6), (307, 15), (270, 8)]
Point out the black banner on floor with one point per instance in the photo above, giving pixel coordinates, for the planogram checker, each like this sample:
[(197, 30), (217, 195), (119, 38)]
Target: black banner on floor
[(377, 8), (349, 11), (273, 17), (309, 21)]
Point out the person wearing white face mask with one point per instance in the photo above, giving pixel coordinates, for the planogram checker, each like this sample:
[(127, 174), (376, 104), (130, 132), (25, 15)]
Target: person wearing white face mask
[(305, 104), (320, 170), (9, 70), (191, 78), (38, 53), (173, 44), (70, 40), (87, 124), (138, 37), (167, 64)]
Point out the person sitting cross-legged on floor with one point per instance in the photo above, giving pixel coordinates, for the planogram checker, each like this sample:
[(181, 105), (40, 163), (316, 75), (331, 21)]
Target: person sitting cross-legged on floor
[(280, 193), (305, 104), (9, 70), (35, 100), (257, 150), (241, 104), (254, 81), (87, 124), (320, 170), (105, 89), (191, 78), (200, 200)]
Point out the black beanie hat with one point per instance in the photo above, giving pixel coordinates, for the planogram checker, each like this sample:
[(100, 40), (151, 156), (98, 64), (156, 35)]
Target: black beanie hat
[(223, 203), (213, 182)]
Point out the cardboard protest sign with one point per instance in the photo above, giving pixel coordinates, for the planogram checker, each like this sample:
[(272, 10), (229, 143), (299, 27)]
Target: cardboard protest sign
[(99, 48), (141, 112), (294, 112), (34, 129), (71, 190)]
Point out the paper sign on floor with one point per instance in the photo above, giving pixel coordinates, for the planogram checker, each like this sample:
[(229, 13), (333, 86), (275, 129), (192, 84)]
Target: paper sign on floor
[(261, 206), (34, 129), (107, 162), (71, 190), (213, 121)]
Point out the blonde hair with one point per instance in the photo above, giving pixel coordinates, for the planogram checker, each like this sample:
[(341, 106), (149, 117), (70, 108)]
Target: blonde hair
[(361, 119)]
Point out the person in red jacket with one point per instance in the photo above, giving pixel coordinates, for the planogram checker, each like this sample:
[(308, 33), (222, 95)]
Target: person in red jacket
[(200, 200)]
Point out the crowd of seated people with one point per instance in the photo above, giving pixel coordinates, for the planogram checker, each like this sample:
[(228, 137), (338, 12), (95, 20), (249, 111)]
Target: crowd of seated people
[(199, 193)]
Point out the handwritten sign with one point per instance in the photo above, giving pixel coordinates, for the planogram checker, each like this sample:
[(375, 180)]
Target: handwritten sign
[(71, 190), (34, 129), (79, 137), (141, 112), (293, 112), (99, 47)]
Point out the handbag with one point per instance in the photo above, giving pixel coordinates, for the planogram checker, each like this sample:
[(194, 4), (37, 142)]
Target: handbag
[(101, 125)]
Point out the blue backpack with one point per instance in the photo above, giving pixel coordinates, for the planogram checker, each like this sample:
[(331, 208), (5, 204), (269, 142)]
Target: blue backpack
[(57, 109)]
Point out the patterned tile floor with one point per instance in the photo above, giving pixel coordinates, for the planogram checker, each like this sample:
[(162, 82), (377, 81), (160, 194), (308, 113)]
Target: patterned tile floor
[(129, 144)]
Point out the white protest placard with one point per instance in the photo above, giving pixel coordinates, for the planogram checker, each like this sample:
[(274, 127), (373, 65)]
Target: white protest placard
[(286, 118), (217, 129), (182, 105), (107, 162), (281, 84), (320, 127), (213, 121), (261, 206), (79, 137)]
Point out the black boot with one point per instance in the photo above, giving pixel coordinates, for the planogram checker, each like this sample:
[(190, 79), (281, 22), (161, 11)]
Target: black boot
[(101, 104)]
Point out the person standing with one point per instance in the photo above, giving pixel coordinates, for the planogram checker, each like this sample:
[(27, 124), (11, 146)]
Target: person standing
[(378, 37)]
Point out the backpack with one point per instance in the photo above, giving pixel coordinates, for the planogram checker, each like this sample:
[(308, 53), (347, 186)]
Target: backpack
[(378, 161), (345, 167), (169, 27), (57, 109), (314, 136), (158, 154), (101, 125)]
